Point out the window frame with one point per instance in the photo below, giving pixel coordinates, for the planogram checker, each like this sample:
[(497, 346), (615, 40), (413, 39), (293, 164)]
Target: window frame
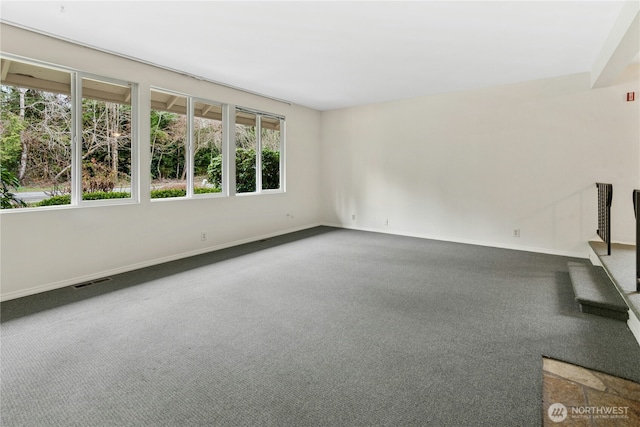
[(61, 88), (223, 150), (76, 186), (227, 149), (75, 96), (188, 161), (259, 115), (190, 149)]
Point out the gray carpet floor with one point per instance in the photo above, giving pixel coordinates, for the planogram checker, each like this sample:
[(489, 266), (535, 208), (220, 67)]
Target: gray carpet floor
[(324, 327)]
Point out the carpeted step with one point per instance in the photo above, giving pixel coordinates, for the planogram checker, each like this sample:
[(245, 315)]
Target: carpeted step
[(595, 292)]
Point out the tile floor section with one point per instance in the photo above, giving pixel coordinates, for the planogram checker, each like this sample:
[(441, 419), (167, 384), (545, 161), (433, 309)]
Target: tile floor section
[(575, 396)]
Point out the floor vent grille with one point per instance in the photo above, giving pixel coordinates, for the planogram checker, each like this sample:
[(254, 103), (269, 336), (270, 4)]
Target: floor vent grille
[(92, 282)]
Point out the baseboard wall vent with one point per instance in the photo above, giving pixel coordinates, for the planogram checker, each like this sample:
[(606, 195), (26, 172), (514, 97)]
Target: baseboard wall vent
[(92, 282)]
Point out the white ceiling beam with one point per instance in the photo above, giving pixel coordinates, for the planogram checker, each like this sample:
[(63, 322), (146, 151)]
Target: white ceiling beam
[(35, 83), (620, 48), (5, 68), (171, 102)]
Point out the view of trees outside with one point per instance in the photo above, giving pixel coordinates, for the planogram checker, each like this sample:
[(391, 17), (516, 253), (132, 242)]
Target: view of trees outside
[(35, 144), (106, 139), (246, 148), (168, 143), (270, 139), (36, 120), (207, 140), (36, 136)]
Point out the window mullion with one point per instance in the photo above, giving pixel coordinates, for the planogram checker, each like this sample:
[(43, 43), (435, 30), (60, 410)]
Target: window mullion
[(190, 148), (229, 150), (258, 153), (76, 120), (135, 144)]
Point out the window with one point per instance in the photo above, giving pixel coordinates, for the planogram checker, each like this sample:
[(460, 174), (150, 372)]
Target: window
[(246, 148), (186, 146), (106, 139), (70, 138), (271, 143), (258, 151), (42, 111), (36, 127), (169, 145), (207, 148)]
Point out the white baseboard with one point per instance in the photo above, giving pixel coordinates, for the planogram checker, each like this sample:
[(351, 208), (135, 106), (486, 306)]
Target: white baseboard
[(534, 249), (149, 263)]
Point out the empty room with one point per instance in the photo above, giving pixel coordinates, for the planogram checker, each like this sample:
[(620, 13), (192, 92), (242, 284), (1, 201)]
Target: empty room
[(319, 213)]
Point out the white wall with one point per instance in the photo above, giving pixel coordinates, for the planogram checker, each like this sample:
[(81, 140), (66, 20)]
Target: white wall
[(473, 166), (46, 248), (468, 167)]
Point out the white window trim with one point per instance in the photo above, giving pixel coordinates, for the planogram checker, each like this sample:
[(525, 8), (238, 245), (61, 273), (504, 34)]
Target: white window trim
[(188, 163), (229, 150)]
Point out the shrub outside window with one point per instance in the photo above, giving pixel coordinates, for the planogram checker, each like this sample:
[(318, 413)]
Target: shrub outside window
[(246, 148), (271, 143)]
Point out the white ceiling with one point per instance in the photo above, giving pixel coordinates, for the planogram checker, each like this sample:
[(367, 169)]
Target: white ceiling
[(328, 55)]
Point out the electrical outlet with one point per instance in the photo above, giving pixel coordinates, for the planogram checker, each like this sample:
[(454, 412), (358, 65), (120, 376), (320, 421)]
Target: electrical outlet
[(516, 232), (386, 222), (353, 217), (203, 236)]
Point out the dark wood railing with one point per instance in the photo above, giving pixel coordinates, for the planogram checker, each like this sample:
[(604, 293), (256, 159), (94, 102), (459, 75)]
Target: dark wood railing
[(636, 204), (605, 195)]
